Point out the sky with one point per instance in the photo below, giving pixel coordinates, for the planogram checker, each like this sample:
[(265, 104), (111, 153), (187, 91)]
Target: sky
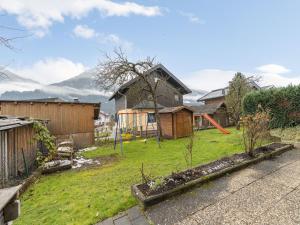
[(202, 42)]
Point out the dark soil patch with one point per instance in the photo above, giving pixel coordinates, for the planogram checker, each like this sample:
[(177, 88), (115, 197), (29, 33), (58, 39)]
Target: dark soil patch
[(176, 179)]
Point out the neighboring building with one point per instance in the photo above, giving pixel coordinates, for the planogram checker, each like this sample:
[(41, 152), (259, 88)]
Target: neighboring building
[(137, 113), (18, 149), (176, 122), (214, 106), (103, 119), (217, 111), (65, 119)]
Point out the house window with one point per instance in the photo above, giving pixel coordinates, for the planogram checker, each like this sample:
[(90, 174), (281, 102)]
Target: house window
[(176, 97), (151, 118)]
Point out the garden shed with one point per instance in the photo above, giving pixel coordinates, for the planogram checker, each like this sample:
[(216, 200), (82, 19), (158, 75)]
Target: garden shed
[(65, 119), (176, 122), (17, 147)]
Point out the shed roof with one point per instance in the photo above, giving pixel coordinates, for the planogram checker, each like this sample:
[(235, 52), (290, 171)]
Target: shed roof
[(172, 80), (50, 102), (7, 122), (209, 108), (147, 105), (175, 109)]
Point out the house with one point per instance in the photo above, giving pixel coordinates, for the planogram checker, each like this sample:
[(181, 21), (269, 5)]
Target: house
[(137, 113), (103, 119), (18, 149), (65, 119), (217, 111), (214, 105), (176, 122)]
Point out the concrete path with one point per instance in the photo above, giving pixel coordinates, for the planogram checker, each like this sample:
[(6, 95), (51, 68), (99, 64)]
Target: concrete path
[(265, 193), (133, 216)]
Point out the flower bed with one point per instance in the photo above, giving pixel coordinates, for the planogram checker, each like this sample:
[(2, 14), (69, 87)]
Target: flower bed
[(155, 191)]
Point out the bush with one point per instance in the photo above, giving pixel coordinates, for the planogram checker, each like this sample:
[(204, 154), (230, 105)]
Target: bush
[(282, 103), (255, 130)]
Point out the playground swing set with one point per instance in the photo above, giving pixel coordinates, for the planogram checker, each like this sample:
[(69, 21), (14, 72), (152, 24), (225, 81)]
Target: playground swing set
[(130, 126)]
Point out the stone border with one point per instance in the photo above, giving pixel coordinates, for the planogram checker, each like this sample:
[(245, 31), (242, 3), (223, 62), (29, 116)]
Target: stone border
[(147, 201), (30, 180)]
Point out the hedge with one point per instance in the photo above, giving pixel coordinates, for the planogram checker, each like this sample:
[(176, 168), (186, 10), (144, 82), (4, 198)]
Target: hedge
[(283, 103)]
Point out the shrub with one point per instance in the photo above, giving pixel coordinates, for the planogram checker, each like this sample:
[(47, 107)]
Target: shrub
[(282, 103), (43, 135), (255, 129)]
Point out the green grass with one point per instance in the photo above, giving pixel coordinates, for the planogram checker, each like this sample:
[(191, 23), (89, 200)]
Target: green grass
[(90, 195)]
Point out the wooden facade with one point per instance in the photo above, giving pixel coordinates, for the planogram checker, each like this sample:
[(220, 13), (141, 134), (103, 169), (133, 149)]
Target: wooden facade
[(18, 149), (65, 119), (176, 122)]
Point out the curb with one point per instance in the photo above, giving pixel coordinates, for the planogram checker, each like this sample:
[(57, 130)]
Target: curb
[(147, 201)]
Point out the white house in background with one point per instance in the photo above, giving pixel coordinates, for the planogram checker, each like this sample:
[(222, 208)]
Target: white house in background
[(103, 119)]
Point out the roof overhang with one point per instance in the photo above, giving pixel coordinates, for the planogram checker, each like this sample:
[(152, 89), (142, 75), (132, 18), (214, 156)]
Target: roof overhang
[(172, 79)]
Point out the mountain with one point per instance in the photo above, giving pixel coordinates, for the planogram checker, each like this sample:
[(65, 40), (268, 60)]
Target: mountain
[(8, 76), (85, 80), (82, 86)]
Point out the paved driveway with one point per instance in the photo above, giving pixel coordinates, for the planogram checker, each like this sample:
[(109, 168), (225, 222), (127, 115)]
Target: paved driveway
[(265, 193)]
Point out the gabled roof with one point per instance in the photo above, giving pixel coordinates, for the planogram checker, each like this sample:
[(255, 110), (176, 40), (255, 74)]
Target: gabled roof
[(175, 109), (209, 108), (222, 92), (172, 80), (214, 94), (147, 105)]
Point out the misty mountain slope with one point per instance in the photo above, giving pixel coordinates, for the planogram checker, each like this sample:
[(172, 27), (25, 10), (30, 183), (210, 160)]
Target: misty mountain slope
[(82, 86), (8, 76), (85, 80)]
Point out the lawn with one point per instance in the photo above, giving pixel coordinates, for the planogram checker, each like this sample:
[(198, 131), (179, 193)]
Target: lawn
[(89, 195)]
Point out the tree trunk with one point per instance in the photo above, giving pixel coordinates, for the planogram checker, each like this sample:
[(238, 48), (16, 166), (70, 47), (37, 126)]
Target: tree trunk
[(159, 131)]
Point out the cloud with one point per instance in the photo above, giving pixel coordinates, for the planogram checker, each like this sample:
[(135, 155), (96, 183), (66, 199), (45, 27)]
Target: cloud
[(273, 68), (84, 31), (38, 15), (210, 79), (278, 80), (50, 70), (192, 17)]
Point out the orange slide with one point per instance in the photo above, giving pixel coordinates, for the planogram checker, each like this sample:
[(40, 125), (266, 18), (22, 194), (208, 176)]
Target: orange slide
[(213, 122)]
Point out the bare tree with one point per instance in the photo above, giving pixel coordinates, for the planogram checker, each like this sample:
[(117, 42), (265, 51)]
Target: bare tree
[(6, 41), (116, 70)]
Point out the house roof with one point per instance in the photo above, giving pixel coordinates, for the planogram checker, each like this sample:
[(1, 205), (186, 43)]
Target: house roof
[(209, 108), (7, 122), (147, 105), (214, 94), (222, 92), (172, 80), (175, 109)]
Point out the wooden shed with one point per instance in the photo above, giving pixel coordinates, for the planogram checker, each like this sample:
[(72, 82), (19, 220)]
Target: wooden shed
[(66, 119), (176, 122), (17, 147)]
